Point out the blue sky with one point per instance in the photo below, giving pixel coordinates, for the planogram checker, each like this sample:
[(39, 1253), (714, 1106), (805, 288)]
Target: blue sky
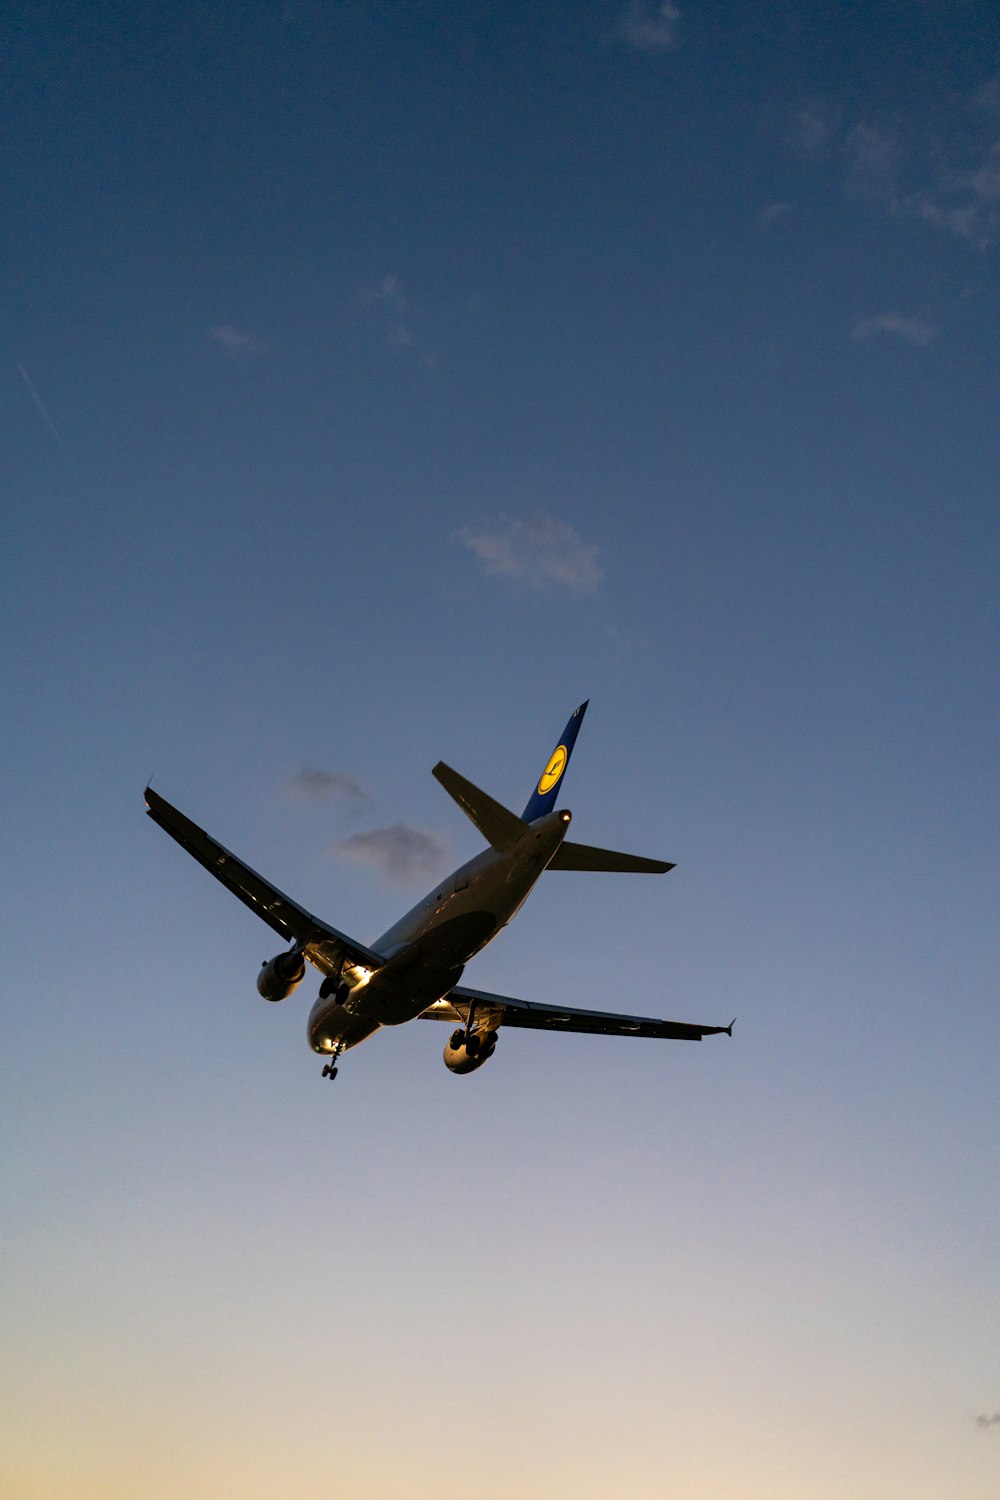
[(380, 382)]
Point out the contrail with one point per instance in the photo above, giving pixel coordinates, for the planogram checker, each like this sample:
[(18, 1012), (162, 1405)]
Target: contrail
[(40, 404)]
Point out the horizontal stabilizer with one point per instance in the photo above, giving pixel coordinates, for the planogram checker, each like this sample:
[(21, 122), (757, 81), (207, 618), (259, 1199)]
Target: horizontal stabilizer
[(496, 823), (571, 856)]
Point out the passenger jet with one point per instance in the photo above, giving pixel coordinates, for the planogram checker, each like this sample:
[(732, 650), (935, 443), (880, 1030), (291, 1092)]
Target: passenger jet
[(413, 970)]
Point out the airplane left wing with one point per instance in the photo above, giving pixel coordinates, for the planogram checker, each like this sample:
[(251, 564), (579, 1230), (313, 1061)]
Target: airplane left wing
[(506, 1010), (322, 944)]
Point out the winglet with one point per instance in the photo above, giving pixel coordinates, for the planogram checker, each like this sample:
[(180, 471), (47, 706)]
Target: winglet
[(729, 1028)]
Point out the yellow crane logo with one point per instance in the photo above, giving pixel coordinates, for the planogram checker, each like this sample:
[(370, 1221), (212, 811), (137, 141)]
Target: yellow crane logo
[(554, 769)]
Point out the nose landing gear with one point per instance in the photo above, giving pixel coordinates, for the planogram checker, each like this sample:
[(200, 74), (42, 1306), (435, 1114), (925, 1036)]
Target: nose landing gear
[(330, 1068)]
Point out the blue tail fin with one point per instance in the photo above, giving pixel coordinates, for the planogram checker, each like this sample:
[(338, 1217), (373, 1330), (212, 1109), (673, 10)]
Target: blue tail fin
[(543, 798)]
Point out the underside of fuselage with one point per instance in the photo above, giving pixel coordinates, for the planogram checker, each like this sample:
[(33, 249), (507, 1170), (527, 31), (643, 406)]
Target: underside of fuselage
[(427, 949)]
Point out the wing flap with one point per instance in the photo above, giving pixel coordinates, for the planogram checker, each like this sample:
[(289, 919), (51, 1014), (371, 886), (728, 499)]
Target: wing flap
[(323, 945), (570, 856), (538, 1016)]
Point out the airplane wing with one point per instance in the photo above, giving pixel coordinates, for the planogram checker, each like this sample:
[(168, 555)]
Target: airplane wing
[(322, 944), (506, 1010)]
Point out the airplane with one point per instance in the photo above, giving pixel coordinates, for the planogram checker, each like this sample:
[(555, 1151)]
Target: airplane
[(413, 970)]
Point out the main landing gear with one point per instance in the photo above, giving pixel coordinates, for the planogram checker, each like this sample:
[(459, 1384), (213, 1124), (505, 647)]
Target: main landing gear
[(476, 1043), (330, 1068), (467, 1049), (333, 986)]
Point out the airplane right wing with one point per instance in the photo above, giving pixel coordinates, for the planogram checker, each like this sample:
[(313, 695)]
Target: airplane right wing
[(506, 1010), (323, 945)]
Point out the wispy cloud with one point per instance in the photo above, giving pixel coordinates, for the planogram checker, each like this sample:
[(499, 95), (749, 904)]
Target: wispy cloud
[(40, 404), (539, 551), (387, 299), (314, 786), (964, 200), (988, 1422), (987, 97), (911, 330), (390, 290), (773, 213), (813, 128), (401, 852), (234, 341), (651, 28), (873, 157), (948, 177)]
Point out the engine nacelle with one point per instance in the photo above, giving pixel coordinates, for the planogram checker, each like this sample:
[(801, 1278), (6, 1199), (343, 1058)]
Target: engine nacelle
[(465, 1056), (283, 974)]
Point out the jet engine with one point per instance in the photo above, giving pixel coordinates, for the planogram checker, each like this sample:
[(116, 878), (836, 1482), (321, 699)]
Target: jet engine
[(465, 1055), (283, 974)]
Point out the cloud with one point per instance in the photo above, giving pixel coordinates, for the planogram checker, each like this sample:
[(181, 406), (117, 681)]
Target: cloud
[(985, 180), (40, 404), (401, 853), (966, 202), (314, 787), (813, 128), (947, 178), (387, 299), (967, 222), (987, 98), (390, 290), (911, 330), (874, 158), (539, 551), (651, 29), (772, 213), (235, 342), (988, 1422)]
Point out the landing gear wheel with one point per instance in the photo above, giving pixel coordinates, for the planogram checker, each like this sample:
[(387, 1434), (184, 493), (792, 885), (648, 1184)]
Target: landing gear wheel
[(331, 985), (473, 1046)]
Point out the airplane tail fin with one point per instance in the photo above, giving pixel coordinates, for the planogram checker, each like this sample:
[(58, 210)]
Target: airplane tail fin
[(543, 798)]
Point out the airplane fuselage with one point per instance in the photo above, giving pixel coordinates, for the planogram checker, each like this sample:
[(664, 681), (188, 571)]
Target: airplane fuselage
[(427, 949)]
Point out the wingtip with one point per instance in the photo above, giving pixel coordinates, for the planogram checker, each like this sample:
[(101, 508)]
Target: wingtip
[(729, 1028)]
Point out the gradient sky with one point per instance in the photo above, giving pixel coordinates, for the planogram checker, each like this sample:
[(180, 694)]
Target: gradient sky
[(379, 381)]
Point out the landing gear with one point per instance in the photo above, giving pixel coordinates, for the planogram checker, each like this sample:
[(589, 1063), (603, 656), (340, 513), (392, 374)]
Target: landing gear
[(330, 1068), (332, 985), (476, 1043)]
